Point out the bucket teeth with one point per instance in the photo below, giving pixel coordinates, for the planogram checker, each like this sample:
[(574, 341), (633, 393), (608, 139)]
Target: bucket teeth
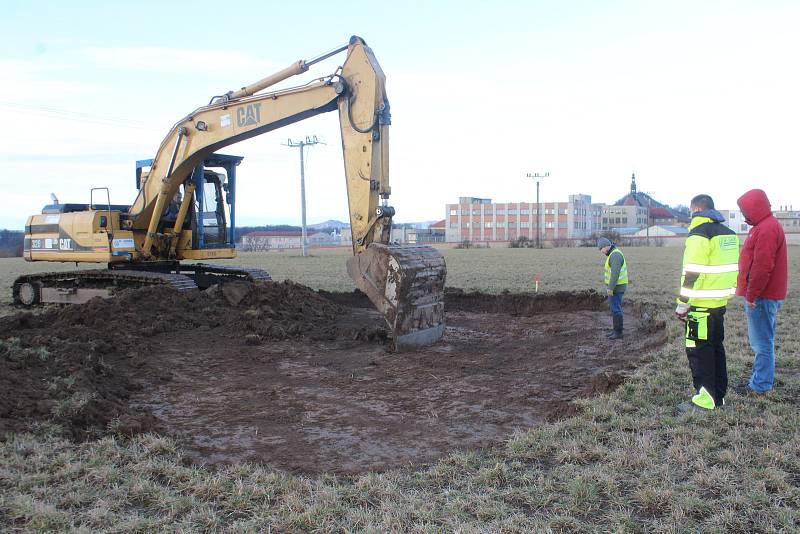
[(406, 284)]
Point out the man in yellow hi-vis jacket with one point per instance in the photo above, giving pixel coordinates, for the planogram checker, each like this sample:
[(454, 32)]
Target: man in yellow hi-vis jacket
[(710, 267)]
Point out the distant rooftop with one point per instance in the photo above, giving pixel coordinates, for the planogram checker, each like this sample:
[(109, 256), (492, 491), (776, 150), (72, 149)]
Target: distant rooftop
[(278, 234), (637, 198), (675, 229), (627, 231), (661, 213)]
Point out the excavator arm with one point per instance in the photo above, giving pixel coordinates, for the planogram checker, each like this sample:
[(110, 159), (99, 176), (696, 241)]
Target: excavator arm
[(358, 92), (405, 283)]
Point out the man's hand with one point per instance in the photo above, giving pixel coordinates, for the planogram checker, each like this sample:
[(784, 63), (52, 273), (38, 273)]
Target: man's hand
[(751, 305), (682, 311), (610, 292)]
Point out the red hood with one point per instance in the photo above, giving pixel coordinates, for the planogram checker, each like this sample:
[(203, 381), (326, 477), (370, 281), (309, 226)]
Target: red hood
[(755, 206)]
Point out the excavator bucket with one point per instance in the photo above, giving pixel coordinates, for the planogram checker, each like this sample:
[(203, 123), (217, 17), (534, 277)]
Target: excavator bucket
[(406, 284)]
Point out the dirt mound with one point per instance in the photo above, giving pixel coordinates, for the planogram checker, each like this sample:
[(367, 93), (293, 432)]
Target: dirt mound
[(73, 366), (271, 310)]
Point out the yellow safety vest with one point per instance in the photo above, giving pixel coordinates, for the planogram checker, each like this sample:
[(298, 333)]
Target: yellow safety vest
[(623, 271), (710, 264)]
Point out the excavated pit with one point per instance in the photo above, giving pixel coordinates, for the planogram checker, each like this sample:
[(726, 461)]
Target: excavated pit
[(302, 380)]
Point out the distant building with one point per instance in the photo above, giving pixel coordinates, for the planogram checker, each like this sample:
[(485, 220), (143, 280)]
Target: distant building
[(400, 234), (259, 241), (628, 231), (789, 219), (637, 209), (616, 217), (663, 231), (663, 217), (412, 235), (434, 233), (438, 229), (479, 219), (735, 221)]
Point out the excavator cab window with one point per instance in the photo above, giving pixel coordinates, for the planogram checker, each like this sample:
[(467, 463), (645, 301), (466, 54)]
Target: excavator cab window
[(213, 210), (214, 215)]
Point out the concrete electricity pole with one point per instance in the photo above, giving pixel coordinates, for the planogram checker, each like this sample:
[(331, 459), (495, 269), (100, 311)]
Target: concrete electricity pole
[(538, 178), (649, 207), (309, 141)]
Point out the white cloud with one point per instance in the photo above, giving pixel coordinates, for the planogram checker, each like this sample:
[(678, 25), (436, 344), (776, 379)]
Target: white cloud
[(176, 60), (42, 82)]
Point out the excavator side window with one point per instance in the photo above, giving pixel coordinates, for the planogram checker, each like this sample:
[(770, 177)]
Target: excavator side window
[(213, 215)]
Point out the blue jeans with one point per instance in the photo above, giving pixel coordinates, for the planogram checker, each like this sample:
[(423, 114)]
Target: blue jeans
[(615, 303), (761, 322)]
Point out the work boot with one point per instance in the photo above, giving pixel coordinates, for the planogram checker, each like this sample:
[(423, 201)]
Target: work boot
[(743, 388), (617, 333), (689, 406)]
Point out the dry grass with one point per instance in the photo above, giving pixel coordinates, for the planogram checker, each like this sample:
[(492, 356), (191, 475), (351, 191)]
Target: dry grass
[(626, 463)]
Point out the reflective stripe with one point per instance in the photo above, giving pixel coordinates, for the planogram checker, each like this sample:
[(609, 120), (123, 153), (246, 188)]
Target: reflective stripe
[(707, 293), (710, 269)]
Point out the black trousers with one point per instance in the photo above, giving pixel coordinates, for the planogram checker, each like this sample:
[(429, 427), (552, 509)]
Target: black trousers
[(707, 356)]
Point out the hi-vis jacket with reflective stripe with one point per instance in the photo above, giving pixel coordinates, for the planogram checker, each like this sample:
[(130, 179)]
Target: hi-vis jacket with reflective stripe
[(710, 264)]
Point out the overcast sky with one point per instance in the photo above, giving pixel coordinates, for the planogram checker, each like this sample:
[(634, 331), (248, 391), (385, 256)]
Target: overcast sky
[(695, 97)]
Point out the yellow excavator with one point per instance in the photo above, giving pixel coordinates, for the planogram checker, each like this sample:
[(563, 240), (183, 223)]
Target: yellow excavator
[(185, 209)]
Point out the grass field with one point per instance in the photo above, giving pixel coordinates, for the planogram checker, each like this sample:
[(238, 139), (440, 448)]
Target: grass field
[(625, 463)]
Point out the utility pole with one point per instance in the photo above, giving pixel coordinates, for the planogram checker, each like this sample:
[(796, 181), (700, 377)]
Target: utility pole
[(649, 207), (538, 178), (309, 141)]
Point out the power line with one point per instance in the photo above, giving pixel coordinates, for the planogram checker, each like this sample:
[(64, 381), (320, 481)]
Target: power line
[(77, 116)]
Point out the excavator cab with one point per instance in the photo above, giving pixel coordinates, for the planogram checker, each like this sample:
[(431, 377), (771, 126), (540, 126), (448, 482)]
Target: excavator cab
[(212, 212)]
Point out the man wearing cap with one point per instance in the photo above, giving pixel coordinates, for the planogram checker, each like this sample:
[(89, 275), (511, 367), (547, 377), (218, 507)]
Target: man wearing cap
[(616, 282), (708, 281)]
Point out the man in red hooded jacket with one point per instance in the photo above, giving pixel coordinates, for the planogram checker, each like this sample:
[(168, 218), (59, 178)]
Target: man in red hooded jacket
[(762, 282)]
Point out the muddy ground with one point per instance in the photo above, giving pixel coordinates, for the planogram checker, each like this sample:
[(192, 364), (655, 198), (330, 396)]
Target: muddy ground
[(304, 381)]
